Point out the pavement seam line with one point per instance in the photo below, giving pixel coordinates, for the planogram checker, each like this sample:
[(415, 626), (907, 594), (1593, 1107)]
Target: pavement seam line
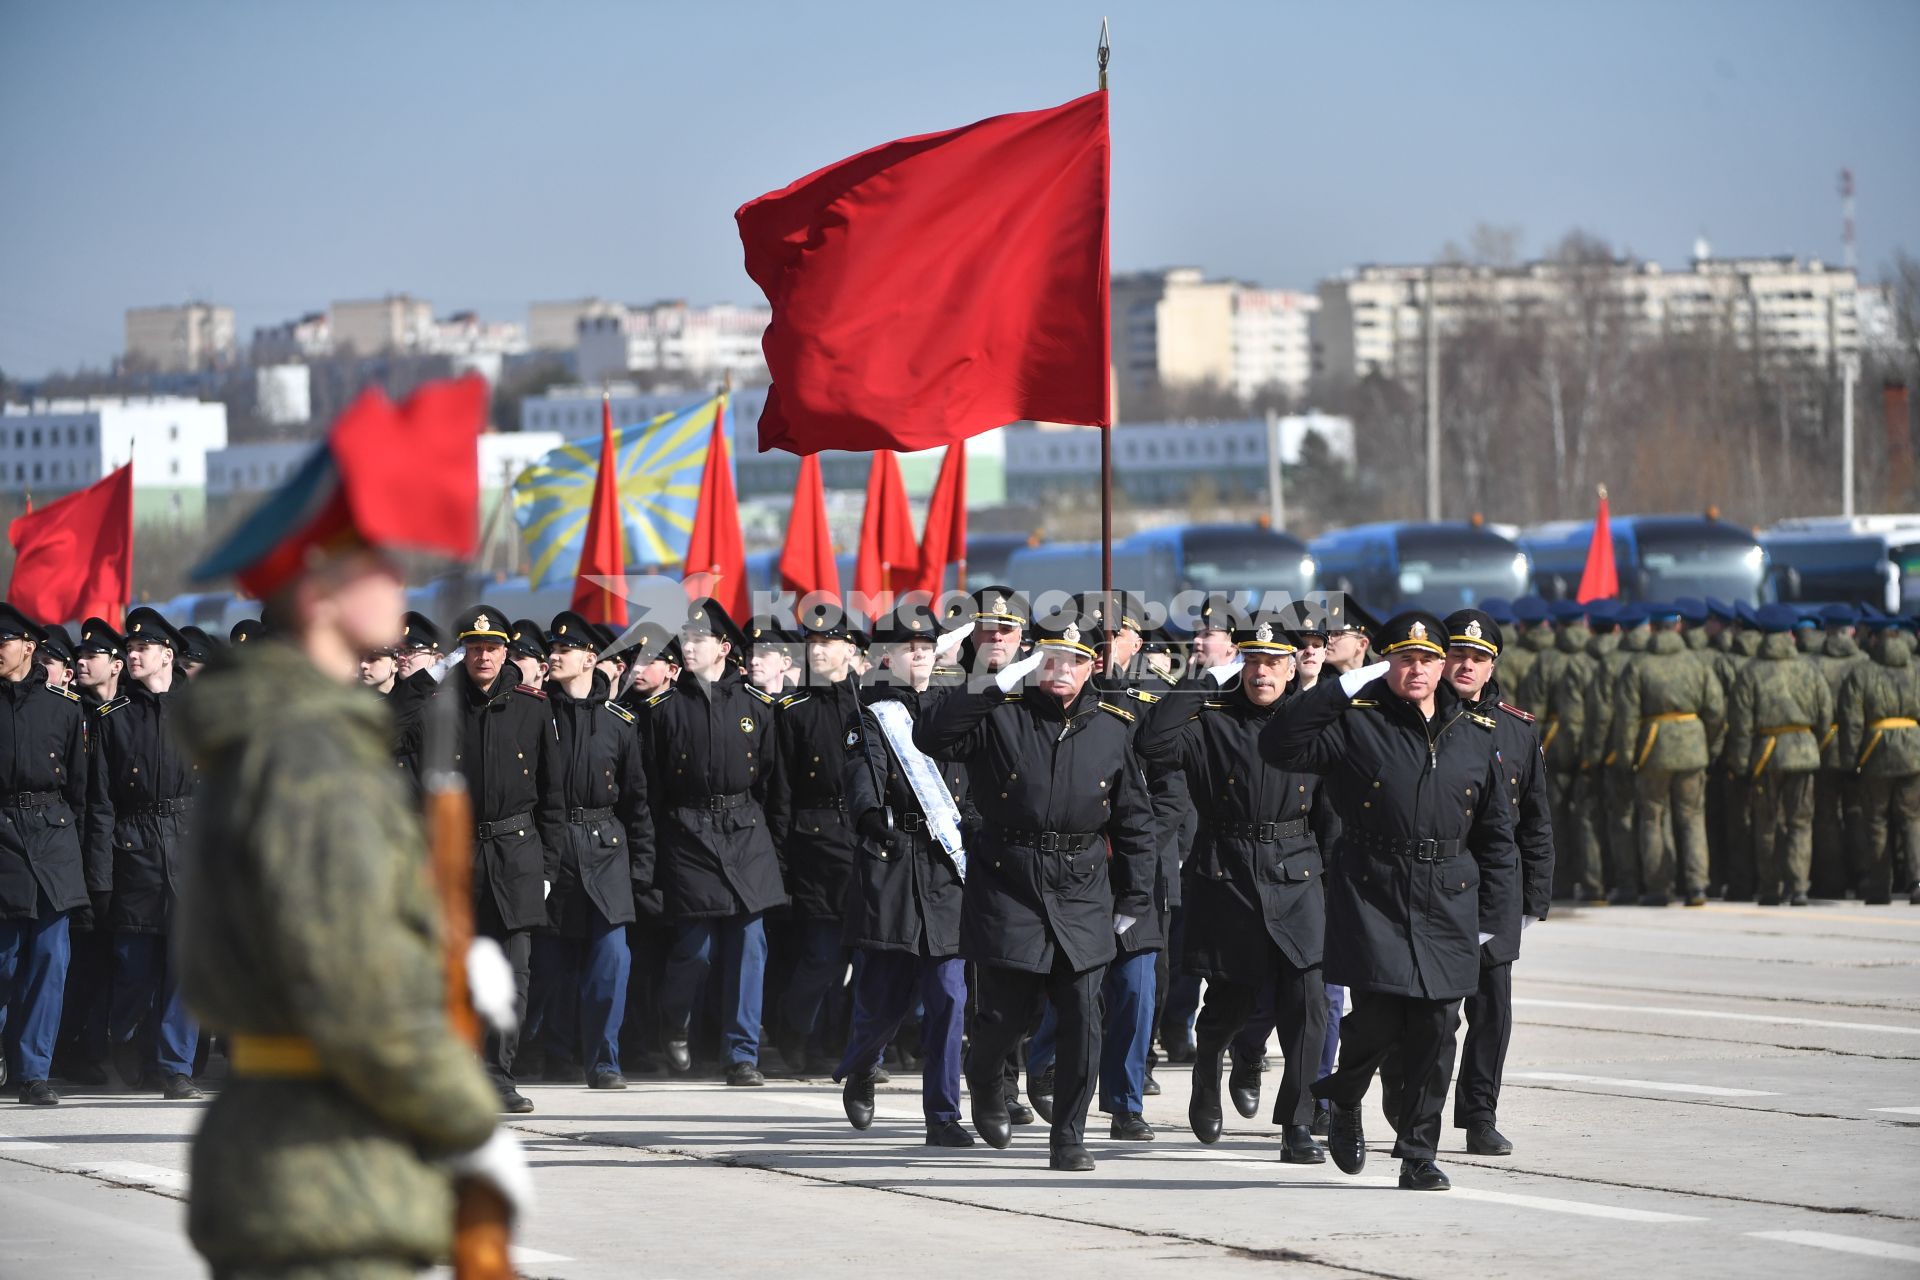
[(735, 1161)]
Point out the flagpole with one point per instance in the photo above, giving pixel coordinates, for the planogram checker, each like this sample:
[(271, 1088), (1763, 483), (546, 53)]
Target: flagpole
[(1103, 53)]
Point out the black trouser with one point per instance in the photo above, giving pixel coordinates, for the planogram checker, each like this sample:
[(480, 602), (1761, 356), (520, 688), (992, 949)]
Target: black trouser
[(1008, 1000), (1489, 1010), (1420, 1031), (1300, 1016), (499, 1049)]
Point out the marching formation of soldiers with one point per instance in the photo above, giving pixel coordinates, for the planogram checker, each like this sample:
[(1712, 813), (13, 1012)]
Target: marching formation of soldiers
[(991, 843)]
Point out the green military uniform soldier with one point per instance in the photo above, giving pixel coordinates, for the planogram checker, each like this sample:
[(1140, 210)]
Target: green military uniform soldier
[(1878, 711), (1778, 713), (1532, 636), (1836, 807), (1557, 685), (1670, 725), (308, 933), (1612, 798)]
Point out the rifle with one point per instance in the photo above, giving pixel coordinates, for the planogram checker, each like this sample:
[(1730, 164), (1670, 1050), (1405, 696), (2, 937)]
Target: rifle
[(481, 1233)]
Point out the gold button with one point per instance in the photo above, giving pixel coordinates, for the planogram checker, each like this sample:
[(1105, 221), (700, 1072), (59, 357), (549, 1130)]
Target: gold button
[(1366, 804), (1303, 786), (1376, 784)]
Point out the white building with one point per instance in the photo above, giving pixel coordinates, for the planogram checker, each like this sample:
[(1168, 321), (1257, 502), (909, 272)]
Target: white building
[(1172, 328), (182, 339), (56, 446), (555, 326), (1158, 464), (673, 338), (283, 394), (308, 338), (1371, 318), (1272, 340), (371, 327)]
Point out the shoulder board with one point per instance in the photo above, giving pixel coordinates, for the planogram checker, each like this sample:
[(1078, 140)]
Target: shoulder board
[(1512, 710), (620, 711), (1122, 712), (530, 691), (758, 692), (65, 692), (114, 705), (794, 699), (1363, 702), (659, 696), (1141, 695), (1485, 722), (1214, 704), (1015, 696)]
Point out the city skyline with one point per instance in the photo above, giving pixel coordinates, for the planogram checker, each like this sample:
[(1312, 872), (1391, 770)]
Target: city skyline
[(485, 159)]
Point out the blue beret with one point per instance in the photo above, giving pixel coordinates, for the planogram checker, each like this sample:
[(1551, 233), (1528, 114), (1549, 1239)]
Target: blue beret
[(1692, 609), (1746, 613), (1531, 611), (1809, 619), (1565, 611), (1499, 610), (1839, 615), (1718, 608), (1777, 618), (1665, 612), (1629, 615)]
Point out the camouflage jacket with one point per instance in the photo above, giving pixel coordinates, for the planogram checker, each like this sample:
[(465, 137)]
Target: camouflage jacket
[(305, 911), (1671, 712), (1778, 712), (1885, 689), (1597, 698), (1557, 687), (1520, 656), (1838, 658)]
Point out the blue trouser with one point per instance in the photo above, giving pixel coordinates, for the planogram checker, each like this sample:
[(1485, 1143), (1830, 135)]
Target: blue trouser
[(145, 983), (1329, 1053), (742, 943), (33, 980), (584, 989), (884, 988), (1183, 989), (816, 971), (1126, 1020)]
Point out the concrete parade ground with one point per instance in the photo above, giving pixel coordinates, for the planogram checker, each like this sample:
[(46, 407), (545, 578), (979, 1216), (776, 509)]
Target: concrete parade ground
[(1732, 1091)]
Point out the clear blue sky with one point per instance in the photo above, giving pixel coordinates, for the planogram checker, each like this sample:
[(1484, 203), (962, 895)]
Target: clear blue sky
[(277, 156)]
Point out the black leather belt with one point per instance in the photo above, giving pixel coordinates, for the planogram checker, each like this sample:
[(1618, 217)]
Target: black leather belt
[(716, 803), (502, 826), (1418, 850), (1049, 841), (1262, 832), (28, 799), (823, 804), (159, 808), (910, 822), (588, 815)]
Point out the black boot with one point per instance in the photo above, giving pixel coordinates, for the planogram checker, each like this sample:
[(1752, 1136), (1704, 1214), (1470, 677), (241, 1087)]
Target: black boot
[(1040, 1091), (947, 1133), (1298, 1147), (1203, 1109), (1073, 1159), (1485, 1140), (1130, 1126), (1243, 1086), (990, 1119), (1422, 1175), (1346, 1138), (857, 1097)]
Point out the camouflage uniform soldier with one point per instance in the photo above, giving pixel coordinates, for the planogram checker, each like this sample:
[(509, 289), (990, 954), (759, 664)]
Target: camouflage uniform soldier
[(1836, 809), (1879, 716), (1672, 718), (1533, 639), (1554, 692), (308, 935), (1611, 792), (1779, 711), (1623, 846)]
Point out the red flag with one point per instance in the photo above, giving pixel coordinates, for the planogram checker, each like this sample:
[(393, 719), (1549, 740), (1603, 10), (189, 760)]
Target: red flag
[(944, 540), (716, 553), (806, 562), (939, 286), (889, 554), (603, 553), (73, 558), (1599, 581)]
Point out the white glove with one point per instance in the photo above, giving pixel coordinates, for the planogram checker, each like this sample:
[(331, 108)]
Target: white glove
[(1524, 922), (546, 890), (490, 985), (1011, 677), (1354, 681), (1485, 938), (1225, 671), (447, 663), (1123, 923), (950, 642), (501, 1163)]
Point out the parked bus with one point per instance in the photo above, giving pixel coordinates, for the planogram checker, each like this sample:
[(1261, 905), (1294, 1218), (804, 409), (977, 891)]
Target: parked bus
[(1655, 557), (1400, 565), (1869, 559), (1246, 559)]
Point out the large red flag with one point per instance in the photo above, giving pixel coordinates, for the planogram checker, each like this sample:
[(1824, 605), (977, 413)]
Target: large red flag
[(944, 540), (889, 554), (716, 553), (603, 553), (1599, 581), (806, 562), (73, 558), (939, 286)]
